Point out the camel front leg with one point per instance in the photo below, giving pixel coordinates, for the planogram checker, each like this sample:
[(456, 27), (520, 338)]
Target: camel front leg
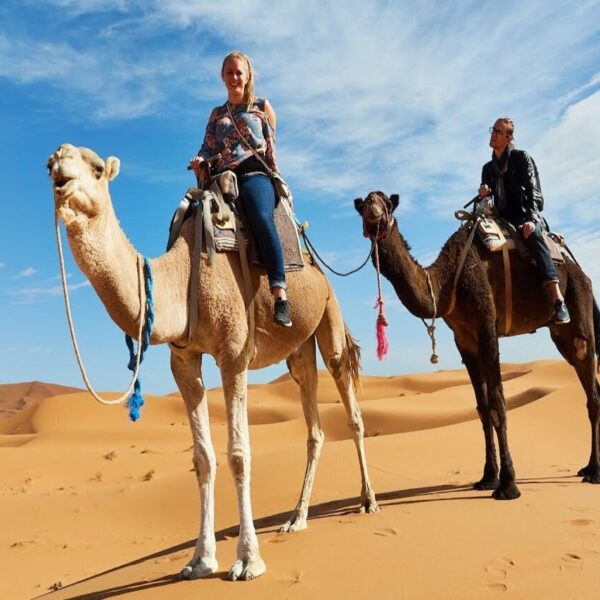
[(302, 365), (249, 564), (186, 370), (489, 480), (489, 351)]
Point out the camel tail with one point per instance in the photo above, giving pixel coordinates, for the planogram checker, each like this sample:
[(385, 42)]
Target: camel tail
[(353, 358), (597, 328)]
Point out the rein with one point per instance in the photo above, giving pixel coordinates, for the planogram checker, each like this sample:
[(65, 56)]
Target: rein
[(135, 400), (382, 322), (312, 250), (382, 342)]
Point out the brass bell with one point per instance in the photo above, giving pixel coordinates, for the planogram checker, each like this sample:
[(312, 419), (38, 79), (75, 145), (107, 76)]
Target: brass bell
[(434, 359)]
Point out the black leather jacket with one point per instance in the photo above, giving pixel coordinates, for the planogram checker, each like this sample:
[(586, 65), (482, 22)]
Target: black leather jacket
[(523, 194)]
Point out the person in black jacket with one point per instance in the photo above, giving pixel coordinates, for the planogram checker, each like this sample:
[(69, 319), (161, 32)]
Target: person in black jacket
[(511, 177)]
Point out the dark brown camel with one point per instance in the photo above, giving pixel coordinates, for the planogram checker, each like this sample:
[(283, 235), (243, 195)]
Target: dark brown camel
[(478, 317)]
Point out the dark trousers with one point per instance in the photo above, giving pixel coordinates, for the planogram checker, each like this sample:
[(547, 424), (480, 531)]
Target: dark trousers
[(539, 251), (258, 203)]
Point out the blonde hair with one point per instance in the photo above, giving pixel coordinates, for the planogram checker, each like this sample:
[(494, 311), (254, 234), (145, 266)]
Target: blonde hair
[(510, 126), (249, 88)]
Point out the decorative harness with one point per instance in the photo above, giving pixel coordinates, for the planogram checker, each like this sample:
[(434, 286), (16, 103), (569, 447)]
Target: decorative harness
[(145, 285), (382, 342)]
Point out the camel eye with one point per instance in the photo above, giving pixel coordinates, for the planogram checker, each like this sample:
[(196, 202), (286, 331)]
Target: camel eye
[(99, 171)]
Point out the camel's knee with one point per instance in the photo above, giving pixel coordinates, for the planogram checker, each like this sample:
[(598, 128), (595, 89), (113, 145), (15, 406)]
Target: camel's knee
[(314, 442), (205, 464), (498, 418), (355, 422), (239, 463), (581, 348), (335, 365)]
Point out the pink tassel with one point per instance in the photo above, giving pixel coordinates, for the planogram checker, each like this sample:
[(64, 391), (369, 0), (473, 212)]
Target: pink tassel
[(382, 323), (382, 341)]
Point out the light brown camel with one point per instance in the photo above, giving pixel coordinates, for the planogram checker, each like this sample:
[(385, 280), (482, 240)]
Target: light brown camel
[(478, 318), (108, 259)]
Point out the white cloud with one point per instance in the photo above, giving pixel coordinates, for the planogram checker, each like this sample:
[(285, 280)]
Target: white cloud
[(569, 163), (34, 294), (373, 95), (29, 272)]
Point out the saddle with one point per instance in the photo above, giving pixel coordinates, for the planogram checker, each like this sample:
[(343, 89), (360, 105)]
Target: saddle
[(227, 222), (496, 233), (219, 227)]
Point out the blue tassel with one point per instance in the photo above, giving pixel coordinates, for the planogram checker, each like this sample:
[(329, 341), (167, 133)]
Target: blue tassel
[(136, 400)]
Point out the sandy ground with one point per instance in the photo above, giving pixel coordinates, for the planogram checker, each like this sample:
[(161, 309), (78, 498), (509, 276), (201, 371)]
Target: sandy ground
[(102, 508)]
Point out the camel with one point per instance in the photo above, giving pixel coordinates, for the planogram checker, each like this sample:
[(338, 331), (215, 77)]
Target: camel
[(477, 320), (103, 253)]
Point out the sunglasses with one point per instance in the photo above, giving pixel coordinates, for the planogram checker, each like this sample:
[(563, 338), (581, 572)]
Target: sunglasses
[(498, 131)]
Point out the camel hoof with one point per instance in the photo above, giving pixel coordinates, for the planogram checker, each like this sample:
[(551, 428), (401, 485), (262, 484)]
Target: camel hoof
[(197, 569), (591, 478), (487, 484), (369, 506), (293, 524), (587, 470), (509, 492), (245, 570)]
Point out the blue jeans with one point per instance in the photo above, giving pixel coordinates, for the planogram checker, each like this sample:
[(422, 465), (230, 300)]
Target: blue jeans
[(541, 254), (258, 201)]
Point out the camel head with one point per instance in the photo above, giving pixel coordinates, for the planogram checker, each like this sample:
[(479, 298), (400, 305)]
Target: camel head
[(376, 211), (80, 183)]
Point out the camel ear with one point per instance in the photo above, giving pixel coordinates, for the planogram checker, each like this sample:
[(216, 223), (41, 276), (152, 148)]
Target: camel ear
[(112, 166), (394, 199), (358, 205)]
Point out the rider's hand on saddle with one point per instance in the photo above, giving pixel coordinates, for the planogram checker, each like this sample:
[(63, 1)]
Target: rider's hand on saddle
[(484, 190), (199, 165), (527, 228)]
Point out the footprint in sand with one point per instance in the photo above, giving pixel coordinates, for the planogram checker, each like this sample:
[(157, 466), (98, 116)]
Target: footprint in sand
[(571, 562), (497, 572), (386, 531), (581, 522)]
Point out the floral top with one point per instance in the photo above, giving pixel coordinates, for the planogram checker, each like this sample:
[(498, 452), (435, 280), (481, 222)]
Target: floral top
[(222, 138)]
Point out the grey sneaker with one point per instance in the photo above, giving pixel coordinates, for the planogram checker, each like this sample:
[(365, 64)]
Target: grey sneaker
[(561, 313), (281, 316)]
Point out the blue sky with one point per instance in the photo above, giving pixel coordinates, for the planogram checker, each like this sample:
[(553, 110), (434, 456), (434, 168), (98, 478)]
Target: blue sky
[(395, 96)]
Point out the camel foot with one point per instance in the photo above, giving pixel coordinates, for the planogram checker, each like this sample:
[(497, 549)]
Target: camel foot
[(590, 474), (587, 470), (487, 484), (244, 570), (294, 523), (507, 492), (199, 568), (369, 504)]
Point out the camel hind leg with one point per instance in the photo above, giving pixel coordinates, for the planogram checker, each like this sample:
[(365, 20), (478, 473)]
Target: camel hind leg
[(576, 342), (302, 365), (341, 355)]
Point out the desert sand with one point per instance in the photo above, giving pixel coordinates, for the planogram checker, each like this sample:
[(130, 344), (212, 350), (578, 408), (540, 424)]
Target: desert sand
[(95, 507)]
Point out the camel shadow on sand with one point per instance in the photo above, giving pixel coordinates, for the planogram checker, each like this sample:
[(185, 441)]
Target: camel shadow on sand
[(271, 524)]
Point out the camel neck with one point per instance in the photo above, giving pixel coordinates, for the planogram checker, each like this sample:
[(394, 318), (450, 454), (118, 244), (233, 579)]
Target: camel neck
[(110, 262), (407, 276)]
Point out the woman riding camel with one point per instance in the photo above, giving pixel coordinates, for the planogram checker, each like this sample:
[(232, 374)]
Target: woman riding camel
[(254, 125)]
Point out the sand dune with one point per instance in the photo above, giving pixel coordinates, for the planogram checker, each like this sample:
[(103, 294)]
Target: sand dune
[(96, 507)]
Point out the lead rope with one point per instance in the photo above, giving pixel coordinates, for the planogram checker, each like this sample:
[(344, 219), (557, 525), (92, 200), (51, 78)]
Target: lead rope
[(434, 359), (134, 412), (382, 322)]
